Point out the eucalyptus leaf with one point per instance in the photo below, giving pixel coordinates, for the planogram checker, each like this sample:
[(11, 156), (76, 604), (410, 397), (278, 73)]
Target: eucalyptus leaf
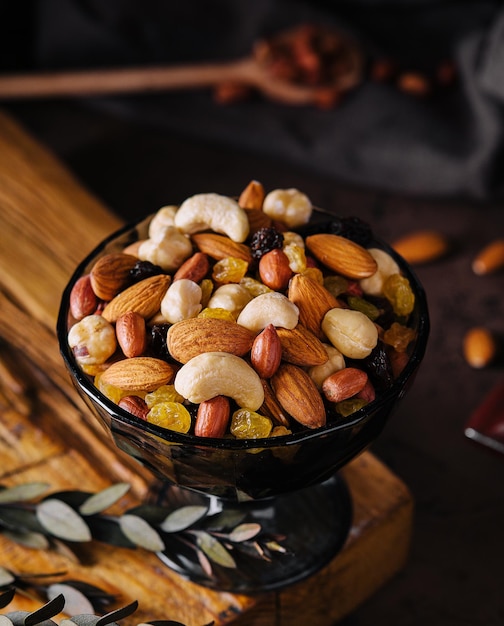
[(227, 519), (103, 499), (274, 546), (28, 539), (214, 549), (6, 578), (121, 613), (75, 601), (141, 533), (23, 493), (46, 612), (244, 532), (62, 521), (107, 530), (6, 596), (183, 518), (151, 513), (19, 519)]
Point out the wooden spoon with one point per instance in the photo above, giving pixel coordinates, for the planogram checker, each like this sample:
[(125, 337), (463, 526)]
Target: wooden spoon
[(247, 71)]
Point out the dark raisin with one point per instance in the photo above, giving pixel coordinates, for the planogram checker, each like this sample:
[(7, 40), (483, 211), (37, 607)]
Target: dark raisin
[(352, 228), (144, 269), (157, 344), (378, 367), (265, 240)]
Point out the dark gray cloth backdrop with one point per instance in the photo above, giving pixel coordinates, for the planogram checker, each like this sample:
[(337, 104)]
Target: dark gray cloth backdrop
[(450, 144)]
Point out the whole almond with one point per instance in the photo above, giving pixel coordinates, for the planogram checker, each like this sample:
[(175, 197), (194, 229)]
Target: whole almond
[(193, 336), (143, 297), (131, 334), (479, 347), (257, 220), (490, 259), (313, 301), (342, 255), (266, 352), (422, 246), (301, 347), (140, 373), (83, 300), (298, 396), (219, 247), (274, 269), (252, 197), (134, 405), (110, 274), (212, 418), (195, 268), (344, 384), (271, 407)]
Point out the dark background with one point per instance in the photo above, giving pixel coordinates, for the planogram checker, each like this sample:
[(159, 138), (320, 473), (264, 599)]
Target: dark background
[(400, 163)]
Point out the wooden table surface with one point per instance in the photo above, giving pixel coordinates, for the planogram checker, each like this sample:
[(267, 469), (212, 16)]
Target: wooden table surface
[(450, 573)]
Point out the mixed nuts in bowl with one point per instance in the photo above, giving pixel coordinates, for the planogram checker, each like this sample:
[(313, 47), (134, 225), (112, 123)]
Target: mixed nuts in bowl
[(243, 347)]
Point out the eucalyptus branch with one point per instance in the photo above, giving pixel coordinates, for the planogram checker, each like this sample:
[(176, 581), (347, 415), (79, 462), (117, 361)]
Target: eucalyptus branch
[(36, 520)]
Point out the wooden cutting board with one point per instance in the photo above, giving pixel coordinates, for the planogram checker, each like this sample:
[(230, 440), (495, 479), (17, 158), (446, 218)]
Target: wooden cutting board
[(48, 223)]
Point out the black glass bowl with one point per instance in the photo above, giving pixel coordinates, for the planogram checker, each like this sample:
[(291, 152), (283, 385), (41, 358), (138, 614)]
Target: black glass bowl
[(299, 470)]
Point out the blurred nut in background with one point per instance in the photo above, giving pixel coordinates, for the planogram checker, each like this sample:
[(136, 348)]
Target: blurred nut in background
[(490, 259), (422, 246), (480, 347)]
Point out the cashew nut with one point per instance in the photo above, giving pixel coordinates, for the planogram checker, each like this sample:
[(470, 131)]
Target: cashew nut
[(269, 308), (212, 211), (334, 363), (181, 301), (386, 267), (232, 297), (163, 218), (290, 206), (351, 332), (213, 374), (169, 250)]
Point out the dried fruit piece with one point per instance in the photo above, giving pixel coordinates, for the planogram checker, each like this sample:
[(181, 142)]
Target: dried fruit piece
[(399, 293), (171, 415), (229, 270), (247, 424), (399, 336)]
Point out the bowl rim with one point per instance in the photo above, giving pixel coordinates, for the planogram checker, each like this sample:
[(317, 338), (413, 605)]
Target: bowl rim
[(358, 418)]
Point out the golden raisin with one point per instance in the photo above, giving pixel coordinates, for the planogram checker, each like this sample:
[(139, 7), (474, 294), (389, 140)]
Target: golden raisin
[(229, 270), (247, 424), (398, 292), (171, 415)]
